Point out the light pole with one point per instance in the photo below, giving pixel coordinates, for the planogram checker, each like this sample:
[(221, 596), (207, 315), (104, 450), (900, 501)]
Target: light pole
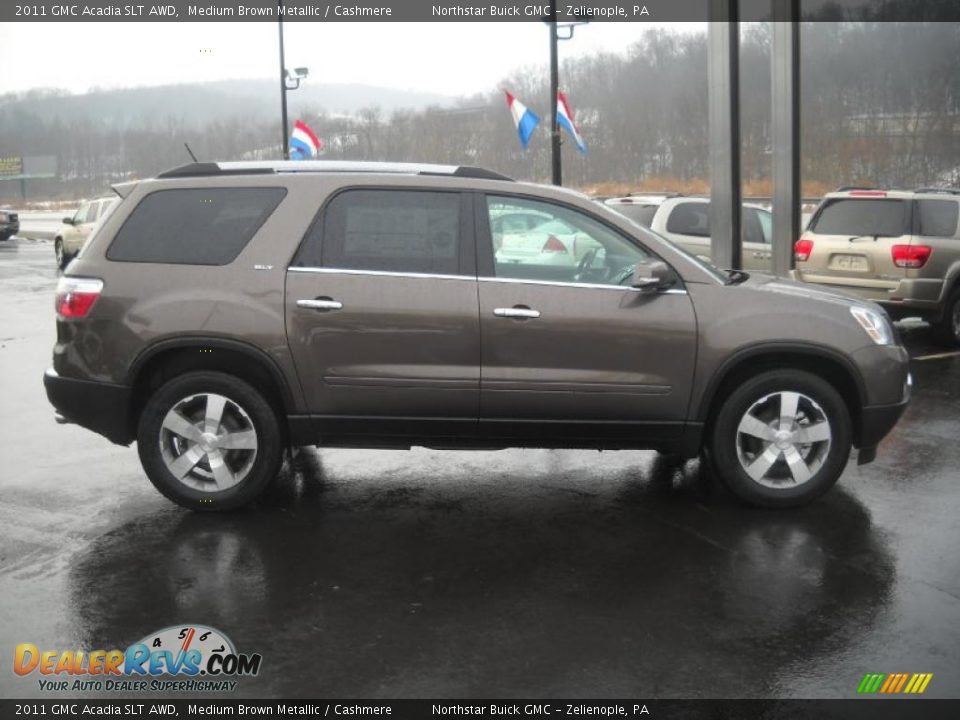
[(287, 82), (555, 36)]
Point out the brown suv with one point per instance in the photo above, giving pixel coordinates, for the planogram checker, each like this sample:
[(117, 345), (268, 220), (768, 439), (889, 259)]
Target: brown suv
[(900, 248), (224, 312)]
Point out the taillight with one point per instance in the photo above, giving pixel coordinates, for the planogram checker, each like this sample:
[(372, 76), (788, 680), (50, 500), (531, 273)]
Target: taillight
[(75, 296), (802, 249), (553, 245), (910, 256)]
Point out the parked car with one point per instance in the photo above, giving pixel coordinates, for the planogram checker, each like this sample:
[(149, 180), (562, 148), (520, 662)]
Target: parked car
[(528, 237), (76, 228), (226, 311), (9, 224), (686, 221), (900, 248)]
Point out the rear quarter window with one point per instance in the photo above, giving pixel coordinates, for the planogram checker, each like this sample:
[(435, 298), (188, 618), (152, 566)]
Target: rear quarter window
[(863, 217), (938, 218), (194, 226)]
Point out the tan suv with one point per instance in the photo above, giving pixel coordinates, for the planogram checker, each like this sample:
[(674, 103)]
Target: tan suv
[(76, 228), (900, 248), (224, 312)]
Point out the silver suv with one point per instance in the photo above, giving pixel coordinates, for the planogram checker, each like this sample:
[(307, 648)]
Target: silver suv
[(900, 248), (224, 312)]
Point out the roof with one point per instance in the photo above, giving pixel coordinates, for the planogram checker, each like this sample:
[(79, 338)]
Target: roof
[(892, 193), (265, 167)]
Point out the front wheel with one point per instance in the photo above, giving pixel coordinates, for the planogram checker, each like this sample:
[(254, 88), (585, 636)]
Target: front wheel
[(209, 441), (781, 439), (947, 331)]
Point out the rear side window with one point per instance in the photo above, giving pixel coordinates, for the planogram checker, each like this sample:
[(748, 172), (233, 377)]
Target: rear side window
[(938, 218), (690, 219), (195, 226), (889, 218), (411, 231)]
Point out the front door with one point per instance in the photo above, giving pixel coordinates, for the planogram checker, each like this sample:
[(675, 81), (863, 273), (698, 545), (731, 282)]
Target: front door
[(381, 305), (569, 348)]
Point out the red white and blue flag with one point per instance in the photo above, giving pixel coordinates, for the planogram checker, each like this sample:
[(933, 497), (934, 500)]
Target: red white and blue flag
[(565, 120), (303, 143), (523, 118)]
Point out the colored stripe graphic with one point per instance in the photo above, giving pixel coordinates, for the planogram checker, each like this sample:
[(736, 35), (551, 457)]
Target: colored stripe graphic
[(894, 683), (871, 682)]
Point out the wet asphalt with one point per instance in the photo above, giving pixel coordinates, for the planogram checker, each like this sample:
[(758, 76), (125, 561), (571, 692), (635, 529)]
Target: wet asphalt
[(519, 573)]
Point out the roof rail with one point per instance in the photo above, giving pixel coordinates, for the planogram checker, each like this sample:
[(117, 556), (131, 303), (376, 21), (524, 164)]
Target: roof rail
[(848, 188), (656, 193), (944, 190), (202, 169)]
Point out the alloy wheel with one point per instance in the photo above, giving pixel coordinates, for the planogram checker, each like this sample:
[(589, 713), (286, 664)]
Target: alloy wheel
[(208, 442), (783, 439)]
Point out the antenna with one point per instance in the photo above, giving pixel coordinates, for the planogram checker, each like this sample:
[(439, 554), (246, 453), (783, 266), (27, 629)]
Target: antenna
[(191, 152)]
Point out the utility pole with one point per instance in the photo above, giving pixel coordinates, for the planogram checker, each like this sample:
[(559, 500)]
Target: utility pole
[(556, 170), (285, 148)]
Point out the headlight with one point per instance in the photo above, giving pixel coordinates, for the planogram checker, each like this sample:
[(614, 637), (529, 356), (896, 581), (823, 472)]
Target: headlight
[(874, 324), (4, 217)]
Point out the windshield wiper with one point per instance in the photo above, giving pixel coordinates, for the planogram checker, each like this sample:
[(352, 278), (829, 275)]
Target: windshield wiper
[(873, 237), (737, 276)]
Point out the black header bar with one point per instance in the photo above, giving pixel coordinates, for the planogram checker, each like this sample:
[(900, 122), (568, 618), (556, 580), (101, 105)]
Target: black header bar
[(446, 11)]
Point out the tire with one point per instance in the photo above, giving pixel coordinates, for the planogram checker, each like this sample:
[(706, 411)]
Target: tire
[(173, 436), (947, 331), (62, 258), (761, 459)]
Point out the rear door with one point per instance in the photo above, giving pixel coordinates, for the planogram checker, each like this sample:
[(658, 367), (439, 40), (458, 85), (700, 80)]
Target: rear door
[(852, 243), (382, 319)]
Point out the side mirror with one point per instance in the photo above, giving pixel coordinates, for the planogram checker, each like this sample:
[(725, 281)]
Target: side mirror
[(652, 276), (67, 221)]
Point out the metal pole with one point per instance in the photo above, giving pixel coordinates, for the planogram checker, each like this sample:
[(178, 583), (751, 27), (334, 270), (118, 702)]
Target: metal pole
[(285, 149), (785, 132), (556, 169), (723, 75)]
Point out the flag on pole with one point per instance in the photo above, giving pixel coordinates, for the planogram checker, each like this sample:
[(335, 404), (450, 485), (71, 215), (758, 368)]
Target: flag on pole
[(565, 120), (303, 143), (523, 118)]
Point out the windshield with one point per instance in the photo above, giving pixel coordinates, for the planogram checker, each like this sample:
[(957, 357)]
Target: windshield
[(640, 214), (854, 218)]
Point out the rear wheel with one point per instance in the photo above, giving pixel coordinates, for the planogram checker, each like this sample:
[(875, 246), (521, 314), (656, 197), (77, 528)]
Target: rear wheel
[(947, 331), (209, 441), (62, 258), (781, 438)]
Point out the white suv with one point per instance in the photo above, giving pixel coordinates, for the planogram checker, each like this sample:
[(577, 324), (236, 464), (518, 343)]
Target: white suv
[(686, 222)]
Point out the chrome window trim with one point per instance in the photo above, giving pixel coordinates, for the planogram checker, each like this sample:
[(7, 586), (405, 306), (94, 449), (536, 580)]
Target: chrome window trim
[(437, 276), (588, 286), (380, 273)]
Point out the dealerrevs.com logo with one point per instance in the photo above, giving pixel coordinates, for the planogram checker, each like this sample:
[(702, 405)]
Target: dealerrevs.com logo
[(184, 658)]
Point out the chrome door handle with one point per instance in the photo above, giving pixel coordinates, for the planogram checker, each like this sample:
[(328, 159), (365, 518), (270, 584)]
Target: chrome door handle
[(517, 312), (762, 256), (320, 304)]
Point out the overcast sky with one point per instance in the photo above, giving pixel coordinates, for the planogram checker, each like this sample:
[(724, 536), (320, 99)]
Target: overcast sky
[(449, 58)]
